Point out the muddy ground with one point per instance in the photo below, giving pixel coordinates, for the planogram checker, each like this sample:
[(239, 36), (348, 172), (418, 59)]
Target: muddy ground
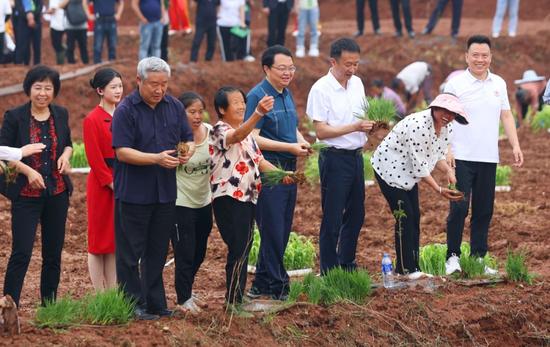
[(504, 314)]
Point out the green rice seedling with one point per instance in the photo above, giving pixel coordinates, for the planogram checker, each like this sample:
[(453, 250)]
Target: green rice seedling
[(59, 314), (109, 307), (318, 146), (377, 110), (314, 291), (9, 172), (432, 259), (503, 175), (541, 120), (299, 253), (516, 268), (296, 288), (254, 248), (367, 166), (276, 176), (311, 170), (344, 285), (471, 266), (399, 214), (78, 159), (308, 280)]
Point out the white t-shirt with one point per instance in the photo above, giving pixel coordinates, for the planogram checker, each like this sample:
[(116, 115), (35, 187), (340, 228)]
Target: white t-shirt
[(335, 105), (58, 17), (410, 151), (413, 75), (5, 9), (483, 102), (229, 13)]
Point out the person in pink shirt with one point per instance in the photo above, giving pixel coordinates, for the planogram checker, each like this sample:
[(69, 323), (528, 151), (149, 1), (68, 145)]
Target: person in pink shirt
[(529, 94), (377, 89)]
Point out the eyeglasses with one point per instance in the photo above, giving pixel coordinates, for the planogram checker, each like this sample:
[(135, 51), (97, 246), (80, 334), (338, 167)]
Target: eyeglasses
[(285, 68)]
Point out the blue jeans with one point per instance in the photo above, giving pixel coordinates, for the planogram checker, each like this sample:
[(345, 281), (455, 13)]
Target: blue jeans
[(105, 29), (343, 204), (305, 18), (150, 39), (513, 8)]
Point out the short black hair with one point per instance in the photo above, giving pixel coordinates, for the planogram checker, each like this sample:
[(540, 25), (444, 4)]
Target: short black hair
[(40, 73), (396, 84), (189, 98), (344, 44), (221, 102), (103, 77), (268, 56), (481, 39), (378, 83)]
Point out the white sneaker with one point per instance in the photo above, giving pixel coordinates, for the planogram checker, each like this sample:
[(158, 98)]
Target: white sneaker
[(313, 52), (300, 52), (294, 33), (512, 34), (488, 271), (417, 275), (495, 35), (452, 265), (249, 58), (189, 306)]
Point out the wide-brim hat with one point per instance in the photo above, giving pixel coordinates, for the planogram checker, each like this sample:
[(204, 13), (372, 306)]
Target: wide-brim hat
[(451, 103), (529, 76)]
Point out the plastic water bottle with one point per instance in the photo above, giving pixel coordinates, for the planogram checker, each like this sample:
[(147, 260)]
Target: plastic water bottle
[(387, 271)]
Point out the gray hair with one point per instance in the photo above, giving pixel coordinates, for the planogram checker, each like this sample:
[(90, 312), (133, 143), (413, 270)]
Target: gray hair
[(152, 64)]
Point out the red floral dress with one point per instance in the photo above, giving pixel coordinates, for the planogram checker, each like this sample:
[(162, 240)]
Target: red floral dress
[(99, 197), (235, 169)]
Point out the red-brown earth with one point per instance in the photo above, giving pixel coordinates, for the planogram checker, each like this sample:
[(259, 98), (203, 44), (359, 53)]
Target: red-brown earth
[(505, 314)]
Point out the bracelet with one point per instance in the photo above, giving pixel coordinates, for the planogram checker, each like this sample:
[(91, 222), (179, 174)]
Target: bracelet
[(440, 189), (259, 113)]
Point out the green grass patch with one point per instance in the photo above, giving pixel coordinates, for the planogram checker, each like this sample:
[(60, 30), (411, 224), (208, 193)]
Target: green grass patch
[(311, 169), (516, 268), (104, 308), (367, 166), (541, 121), (503, 175), (299, 253), (472, 267), (78, 159), (337, 285), (433, 257)]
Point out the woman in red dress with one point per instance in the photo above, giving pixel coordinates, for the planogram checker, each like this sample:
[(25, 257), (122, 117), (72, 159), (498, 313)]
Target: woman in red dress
[(99, 192)]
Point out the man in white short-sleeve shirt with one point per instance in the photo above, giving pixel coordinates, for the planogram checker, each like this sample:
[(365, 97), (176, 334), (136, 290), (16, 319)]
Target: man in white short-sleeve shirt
[(474, 149), (412, 79), (332, 103)]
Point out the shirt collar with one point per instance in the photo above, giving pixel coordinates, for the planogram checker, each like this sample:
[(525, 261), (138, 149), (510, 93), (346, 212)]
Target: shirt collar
[(136, 98), (472, 78), (270, 90), (334, 82)]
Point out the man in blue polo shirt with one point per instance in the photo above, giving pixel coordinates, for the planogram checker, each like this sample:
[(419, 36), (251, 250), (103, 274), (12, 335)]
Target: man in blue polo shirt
[(147, 127), (150, 14), (280, 141), (107, 13)]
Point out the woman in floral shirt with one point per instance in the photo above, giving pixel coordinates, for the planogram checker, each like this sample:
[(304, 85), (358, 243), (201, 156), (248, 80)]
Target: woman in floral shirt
[(237, 163)]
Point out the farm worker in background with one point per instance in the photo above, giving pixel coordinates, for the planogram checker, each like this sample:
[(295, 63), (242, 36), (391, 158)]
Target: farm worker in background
[(360, 16), (236, 182), (100, 200), (513, 10), (106, 15), (205, 23), (546, 96), (474, 152), (278, 137), (41, 193), (406, 5), (438, 11), (27, 26), (193, 206), (145, 184), (277, 12), (414, 78), (331, 104), (529, 93), (377, 89), (308, 15), (412, 150), (151, 15)]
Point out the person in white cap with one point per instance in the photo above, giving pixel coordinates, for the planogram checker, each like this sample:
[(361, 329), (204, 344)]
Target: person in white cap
[(414, 148), (475, 149), (546, 96), (529, 93)]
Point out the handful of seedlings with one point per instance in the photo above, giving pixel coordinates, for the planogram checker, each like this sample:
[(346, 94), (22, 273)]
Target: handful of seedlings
[(455, 192), (10, 174), (274, 177), (182, 148), (380, 111)]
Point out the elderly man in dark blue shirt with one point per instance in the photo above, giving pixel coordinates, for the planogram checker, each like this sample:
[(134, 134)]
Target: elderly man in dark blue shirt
[(147, 127), (280, 141)]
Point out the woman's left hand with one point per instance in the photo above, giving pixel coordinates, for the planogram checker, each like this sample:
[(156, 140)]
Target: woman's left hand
[(63, 164)]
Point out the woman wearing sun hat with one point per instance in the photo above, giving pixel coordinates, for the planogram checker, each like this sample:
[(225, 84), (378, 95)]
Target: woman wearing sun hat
[(408, 154), (529, 93)]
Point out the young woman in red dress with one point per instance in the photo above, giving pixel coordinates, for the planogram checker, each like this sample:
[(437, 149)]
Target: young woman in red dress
[(99, 191)]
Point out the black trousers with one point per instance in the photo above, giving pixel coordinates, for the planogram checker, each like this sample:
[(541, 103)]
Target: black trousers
[(189, 240), (476, 180), (407, 228), (276, 24), (25, 38), (26, 213), (232, 47), (164, 43), (78, 36), (142, 234), (360, 9), (201, 29), (235, 220), (57, 43), (438, 11), (406, 5)]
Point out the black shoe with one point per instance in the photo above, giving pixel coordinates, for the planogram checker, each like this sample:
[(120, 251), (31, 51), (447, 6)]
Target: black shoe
[(398, 34), (426, 31), (141, 314), (255, 293), (412, 35), (165, 313), (280, 297), (358, 33)]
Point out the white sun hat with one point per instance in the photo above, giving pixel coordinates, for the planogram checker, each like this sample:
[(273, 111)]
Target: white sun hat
[(529, 76)]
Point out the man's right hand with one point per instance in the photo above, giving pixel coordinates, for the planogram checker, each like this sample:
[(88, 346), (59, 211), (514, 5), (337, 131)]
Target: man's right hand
[(30, 20), (167, 160), (265, 105), (299, 149), (35, 180), (364, 125)]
